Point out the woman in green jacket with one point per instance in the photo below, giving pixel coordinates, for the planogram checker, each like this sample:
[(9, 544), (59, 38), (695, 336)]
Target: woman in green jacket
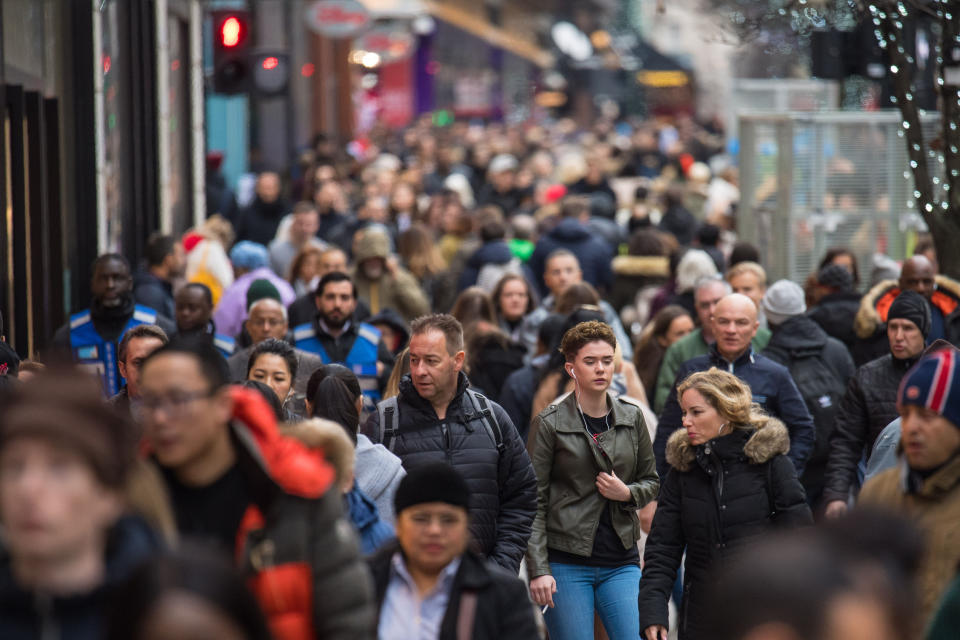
[(595, 468)]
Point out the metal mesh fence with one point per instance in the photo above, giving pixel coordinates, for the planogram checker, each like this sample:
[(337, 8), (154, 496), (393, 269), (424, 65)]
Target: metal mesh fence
[(811, 181), (755, 95)]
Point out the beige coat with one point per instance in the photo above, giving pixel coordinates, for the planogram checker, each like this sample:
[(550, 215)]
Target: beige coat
[(936, 510)]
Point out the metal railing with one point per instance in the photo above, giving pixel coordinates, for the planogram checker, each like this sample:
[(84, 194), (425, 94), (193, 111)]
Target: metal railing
[(811, 181)]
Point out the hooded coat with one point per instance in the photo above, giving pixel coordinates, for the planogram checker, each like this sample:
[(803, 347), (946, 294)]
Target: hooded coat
[(293, 544), (397, 289), (835, 314), (717, 497), (594, 254), (378, 473), (871, 319), (820, 366)]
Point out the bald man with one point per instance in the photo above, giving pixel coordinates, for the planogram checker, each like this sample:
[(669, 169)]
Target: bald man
[(920, 275), (734, 324)]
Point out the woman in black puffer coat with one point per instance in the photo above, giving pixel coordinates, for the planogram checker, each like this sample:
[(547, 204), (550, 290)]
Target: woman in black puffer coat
[(729, 482)]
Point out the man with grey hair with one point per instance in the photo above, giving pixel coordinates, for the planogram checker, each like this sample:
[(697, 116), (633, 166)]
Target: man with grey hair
[(734, 324), (437, 417), (267, 318), (562, 269), (707, 292)]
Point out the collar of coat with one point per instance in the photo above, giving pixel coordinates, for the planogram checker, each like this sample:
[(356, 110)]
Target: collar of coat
[(876, 303), (569, 420), (769, 440), (936, 486)]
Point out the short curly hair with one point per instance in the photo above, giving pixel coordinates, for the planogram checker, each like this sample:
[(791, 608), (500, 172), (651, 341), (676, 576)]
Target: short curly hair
[(584, 333)]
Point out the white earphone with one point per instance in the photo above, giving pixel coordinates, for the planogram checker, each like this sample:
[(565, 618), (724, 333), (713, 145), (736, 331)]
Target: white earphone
[(721, 428)]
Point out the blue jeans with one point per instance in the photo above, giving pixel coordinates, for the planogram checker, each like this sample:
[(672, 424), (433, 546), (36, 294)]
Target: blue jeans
[(581, 590)]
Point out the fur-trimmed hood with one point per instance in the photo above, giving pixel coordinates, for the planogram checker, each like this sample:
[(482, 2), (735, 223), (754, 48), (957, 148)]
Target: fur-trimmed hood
[(767, 441), (650, 266), (876, 302)]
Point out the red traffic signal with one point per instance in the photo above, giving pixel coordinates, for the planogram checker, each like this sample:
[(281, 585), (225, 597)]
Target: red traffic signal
[(231, 51), (230, 32)]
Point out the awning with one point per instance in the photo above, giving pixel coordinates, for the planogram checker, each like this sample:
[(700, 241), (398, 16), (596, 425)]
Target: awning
[(489, 33), (394, 8)]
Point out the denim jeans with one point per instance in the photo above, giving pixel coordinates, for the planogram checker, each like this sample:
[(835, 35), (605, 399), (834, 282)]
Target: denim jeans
[(581, 589)]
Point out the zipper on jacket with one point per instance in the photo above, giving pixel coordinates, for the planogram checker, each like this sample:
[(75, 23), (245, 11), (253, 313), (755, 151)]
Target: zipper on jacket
[(446, 442), (49, 627)]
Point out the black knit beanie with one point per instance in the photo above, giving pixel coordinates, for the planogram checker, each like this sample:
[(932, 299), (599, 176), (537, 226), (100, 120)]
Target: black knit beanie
[(911, 306), (433, 482)]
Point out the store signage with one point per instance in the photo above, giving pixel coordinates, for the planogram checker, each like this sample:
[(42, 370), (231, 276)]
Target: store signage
[(337, 18), (390, 43)]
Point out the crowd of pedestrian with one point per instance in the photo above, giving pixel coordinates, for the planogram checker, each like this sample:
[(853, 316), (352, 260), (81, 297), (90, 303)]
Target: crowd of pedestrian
[(486, 382)]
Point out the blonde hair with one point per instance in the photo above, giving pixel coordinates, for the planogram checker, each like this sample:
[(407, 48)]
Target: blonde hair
[(747, 267), (729, 395), (318, 433), (401, 367)]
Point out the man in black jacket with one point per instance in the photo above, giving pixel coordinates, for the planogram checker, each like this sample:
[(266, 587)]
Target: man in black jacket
[(428, 582), (870, 402), (839, 305), (153, 284), (819, 365), (735, 324), (437, 418)]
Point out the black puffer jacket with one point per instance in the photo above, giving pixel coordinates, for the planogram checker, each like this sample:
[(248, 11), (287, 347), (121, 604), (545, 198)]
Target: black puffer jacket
[(869, 405), (835, 315), (503, 488), (820, 366), (717, 497)]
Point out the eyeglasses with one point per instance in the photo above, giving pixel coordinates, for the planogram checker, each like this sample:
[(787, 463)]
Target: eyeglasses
[(173, 404)]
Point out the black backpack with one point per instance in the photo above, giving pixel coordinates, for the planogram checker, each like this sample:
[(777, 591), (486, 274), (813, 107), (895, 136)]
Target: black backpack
[(479, 410), (822, 388)]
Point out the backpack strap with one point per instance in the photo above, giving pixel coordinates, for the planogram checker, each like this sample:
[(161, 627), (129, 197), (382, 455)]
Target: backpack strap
[(483, 412), (388, 422)]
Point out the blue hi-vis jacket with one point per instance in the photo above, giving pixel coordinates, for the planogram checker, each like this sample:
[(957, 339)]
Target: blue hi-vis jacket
[(92, 352), (362, 359), (224, 344)]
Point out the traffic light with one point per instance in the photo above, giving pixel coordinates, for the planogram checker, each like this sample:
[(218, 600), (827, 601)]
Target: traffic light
[(231, 51), (271, 72)]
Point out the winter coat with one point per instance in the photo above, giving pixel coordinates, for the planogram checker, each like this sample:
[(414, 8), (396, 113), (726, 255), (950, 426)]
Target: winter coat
[(871, 318), (516, 397), (633, 273), (935, 509), (378, 473), (835, 314), (400, 292), (681, 223), (25, 615), (772, 388), (502, 612), (690, 346), (502, 484), (363, 514), (304, 571), (492, 360), (594, 254), (496, 253), (258, 222), (820, 366), (716, 499), (567, 459), (869, 405), (151, 291), (232, 309)]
